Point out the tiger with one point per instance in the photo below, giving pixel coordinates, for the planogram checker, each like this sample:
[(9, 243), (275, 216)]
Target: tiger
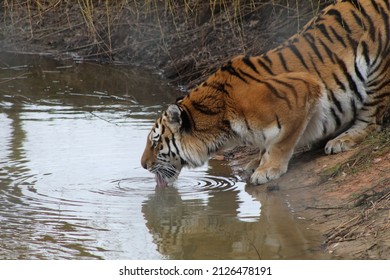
[(329, 82)]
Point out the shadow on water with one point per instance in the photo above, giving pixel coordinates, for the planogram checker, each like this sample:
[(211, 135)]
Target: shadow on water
[(71, 187)]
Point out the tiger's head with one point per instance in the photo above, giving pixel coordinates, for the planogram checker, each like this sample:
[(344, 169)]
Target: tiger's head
[(163, 154), (183, 136), (189, 132)]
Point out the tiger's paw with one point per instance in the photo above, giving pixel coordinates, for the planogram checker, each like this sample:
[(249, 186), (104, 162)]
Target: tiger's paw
[(339, 144), (252, 165), (264, 175)]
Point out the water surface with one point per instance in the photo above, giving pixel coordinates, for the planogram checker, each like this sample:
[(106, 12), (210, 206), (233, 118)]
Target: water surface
[(71, 185)]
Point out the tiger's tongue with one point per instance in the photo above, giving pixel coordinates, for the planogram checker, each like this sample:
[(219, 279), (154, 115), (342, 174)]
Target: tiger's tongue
[(160, 181)]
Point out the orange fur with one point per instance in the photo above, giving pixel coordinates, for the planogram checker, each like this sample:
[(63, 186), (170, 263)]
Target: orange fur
[(331, 79)]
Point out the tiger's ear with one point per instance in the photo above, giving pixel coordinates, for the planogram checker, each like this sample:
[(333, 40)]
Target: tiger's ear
[(174, 115), (178, 118)]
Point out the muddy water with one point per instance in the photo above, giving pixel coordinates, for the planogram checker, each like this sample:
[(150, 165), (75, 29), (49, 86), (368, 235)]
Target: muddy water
[(71, 187)]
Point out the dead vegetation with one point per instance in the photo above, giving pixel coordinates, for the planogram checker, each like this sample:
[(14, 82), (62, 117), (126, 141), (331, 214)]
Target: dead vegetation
[(363, 228), (375, 146), (187, 40)]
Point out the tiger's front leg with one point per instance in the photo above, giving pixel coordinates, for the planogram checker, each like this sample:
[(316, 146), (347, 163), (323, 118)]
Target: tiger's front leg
[(254, 163), (270, 171), (273, 164), (274, 161)]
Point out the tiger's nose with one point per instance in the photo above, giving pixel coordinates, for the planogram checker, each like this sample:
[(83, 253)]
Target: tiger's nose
[(146, 164)]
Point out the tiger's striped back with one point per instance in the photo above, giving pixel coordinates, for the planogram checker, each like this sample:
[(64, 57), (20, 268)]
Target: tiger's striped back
[(330, 80), (347, 47)]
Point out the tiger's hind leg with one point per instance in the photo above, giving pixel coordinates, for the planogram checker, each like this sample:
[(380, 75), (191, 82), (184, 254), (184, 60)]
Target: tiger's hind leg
[(368, 119), (348, 140)]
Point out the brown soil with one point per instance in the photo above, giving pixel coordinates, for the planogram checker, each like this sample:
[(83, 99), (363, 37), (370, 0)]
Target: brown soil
[(345, 196)]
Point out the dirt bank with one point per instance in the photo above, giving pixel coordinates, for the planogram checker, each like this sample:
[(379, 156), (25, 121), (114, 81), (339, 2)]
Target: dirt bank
[(345, 196)]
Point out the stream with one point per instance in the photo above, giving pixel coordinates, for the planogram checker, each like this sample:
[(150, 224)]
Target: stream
[(71, 185)]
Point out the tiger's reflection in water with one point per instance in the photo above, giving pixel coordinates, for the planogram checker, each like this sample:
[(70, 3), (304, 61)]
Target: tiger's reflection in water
[(230, 221)]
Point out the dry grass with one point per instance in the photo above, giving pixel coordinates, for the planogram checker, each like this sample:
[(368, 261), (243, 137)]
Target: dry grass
[(372, 149), (230, 12), (186, 38)]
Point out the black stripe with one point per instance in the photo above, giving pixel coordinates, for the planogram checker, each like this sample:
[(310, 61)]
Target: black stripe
[(318, 73), (339, 19), (174, 144), (229, 68), (306, 83), (310, 39), (357, 72), (338, 37), (247, 125), (385, 17), (335, 101), (249, 76), (264, 66), (332, 96), (370, 22), (362, 120), (219, 87), (187, 123), (379, 85), (204, 109), (249, 63), (298, 54), (354, 109), (381, 109), (266, 58), (351, 82), (381, 96), (190, 117), (276, 80), (276, 93), (226, 126), (324, 129), (378, 56), (373, 103), (353, 43), (278, 122), (338, 82), (291, 87), (353, 2), (336, 117), (365, 52), (283, 61), (328, 51), (373, 2), (167, 141), (324, 31), (358, 19), (378, 77)]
